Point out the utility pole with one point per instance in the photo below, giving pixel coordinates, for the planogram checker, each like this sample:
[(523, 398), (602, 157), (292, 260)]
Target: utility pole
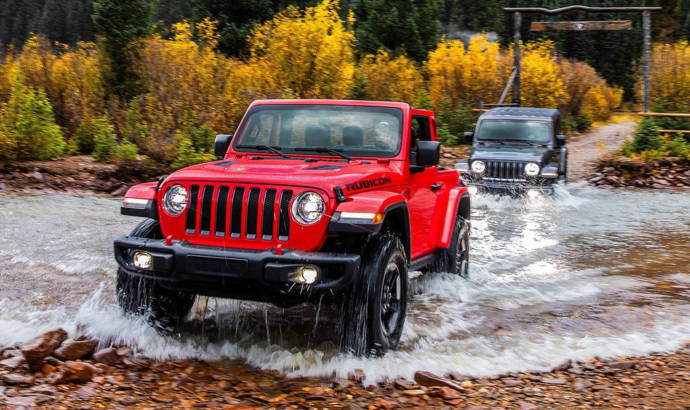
[(516, 54)]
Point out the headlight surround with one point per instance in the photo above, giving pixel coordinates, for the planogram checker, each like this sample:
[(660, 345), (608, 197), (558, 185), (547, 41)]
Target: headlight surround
[(175, 200), (308, 208), (478, 167), (532, 169)]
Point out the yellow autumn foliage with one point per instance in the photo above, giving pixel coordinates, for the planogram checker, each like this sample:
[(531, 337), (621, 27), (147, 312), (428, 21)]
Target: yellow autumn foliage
[(670, 76), (392, 78), (542, 85), (304, 54)]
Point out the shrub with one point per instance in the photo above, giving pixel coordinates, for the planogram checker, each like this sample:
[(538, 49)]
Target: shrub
[(28, 126), (187, 154), (104, 141), (452, 123), (670, 76), (678, 147), (124, 152), (646, 137), (391, 79)]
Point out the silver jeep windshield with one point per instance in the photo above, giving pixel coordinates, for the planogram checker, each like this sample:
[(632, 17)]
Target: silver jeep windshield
[(352, 130), (514, 130)]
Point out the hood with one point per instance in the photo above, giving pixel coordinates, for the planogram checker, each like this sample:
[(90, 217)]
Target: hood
[(325, 175), (525, 153)]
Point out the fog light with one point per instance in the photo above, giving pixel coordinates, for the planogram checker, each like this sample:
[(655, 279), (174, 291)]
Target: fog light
[(307, 275), (472, 190), (142, 260)]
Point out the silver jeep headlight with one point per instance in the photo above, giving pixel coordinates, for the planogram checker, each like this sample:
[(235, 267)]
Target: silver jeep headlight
[(308, 208), (478, 167), (532, 169), (175, 200)]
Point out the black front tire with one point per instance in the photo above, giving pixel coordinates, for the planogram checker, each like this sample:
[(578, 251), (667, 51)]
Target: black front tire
[(165, 309), (456, 258), (374, 308)]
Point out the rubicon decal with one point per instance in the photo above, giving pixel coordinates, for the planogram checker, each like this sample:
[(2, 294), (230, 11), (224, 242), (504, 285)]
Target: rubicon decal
[(368, 183)]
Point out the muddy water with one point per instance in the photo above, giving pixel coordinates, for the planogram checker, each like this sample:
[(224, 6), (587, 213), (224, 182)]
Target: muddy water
[(589, 273)]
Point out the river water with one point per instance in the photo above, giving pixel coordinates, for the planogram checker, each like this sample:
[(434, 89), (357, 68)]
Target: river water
[(589, 273)]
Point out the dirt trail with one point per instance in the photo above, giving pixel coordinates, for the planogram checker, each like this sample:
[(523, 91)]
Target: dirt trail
[(584, 150)]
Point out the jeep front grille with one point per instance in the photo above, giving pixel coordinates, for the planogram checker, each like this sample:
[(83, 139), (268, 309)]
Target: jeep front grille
[(237, 211), (505, 171)]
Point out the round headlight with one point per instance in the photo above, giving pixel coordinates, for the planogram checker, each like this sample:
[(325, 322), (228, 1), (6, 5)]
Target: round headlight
[(308, 208), (478, 167), (532, 169), (175, 200)]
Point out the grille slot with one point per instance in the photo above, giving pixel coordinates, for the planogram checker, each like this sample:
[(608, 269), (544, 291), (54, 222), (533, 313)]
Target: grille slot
[(237, 205), (268, 215), (221, 210), (206, 203), (284, 216), (252, 212), (190, 224)]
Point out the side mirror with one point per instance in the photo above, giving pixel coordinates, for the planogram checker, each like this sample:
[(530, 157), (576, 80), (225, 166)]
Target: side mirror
[(222, 144), (560, 140), (469, 134), (428, 153)]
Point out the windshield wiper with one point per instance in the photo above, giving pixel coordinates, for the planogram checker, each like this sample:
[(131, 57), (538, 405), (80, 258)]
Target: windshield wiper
[(274, 149), (326, 150)]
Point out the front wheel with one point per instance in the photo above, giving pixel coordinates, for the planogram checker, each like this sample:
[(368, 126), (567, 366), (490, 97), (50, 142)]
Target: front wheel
[(373, 310), (165, 309)]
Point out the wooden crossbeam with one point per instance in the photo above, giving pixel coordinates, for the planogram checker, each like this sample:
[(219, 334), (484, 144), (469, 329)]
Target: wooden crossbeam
[(581, 25), (665, 114)]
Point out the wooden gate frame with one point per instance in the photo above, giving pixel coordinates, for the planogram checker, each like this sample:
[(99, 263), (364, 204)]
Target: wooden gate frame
[(646, 53)]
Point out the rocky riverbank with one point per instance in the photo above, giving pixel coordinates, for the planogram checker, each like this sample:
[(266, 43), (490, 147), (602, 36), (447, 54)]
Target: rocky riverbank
[(77, 174), (55, 371), (617, 171)]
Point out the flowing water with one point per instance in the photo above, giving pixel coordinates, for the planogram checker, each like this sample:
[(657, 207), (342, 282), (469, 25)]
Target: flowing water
[(588, 273)]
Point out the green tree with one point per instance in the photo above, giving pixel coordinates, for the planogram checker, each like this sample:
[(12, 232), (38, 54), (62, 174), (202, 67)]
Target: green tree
[(409, 26), (122, 23), (236, 18), (27, 126)]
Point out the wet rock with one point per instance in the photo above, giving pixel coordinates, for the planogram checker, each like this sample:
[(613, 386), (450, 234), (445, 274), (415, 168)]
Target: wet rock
[(107, 356), (48, 369), (553, 381), (429, 379), (403, 384), (127, 401), (37, 175), (385, 404), (76, 350), (124, 351), (510, 382), (77, 372), (563, 366), (413, 392), (138, 363), (581, 385), (39, 348), (14, 379), (85, 392), (622, 365), (446, 393), (7, 353), (357, 375), (27, 401), (12, 363), (44, 389)]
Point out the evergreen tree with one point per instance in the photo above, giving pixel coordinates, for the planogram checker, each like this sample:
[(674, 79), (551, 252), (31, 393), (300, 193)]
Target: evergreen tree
[(410, 26), (237, 18), (122, 23)]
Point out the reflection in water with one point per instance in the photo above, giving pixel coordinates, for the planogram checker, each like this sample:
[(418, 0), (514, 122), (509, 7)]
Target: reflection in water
[(590, 272)]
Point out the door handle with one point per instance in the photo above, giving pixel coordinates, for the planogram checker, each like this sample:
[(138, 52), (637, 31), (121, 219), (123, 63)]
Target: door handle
[(436, 187)]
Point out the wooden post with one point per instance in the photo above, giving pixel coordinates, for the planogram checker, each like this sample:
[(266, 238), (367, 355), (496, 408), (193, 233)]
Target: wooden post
[(516, 53), (646, 58)]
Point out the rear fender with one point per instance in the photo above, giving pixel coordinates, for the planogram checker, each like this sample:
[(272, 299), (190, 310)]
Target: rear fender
[(140, 200), (458, 203)]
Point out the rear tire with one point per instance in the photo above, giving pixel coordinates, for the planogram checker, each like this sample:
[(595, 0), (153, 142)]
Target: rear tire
[(456, 258), (165, 309), (373, 310)]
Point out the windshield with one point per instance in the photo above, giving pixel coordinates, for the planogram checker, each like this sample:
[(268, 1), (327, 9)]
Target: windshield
[(355, 131), (518, 130)]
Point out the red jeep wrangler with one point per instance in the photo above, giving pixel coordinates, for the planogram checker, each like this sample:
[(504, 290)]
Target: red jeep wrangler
[(311, 201)]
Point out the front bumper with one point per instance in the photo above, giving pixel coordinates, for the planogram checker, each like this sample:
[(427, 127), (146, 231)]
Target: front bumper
[(518, 188), (266, 276)]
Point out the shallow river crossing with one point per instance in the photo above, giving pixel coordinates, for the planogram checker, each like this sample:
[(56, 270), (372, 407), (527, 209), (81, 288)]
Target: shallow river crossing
[(588, 273)]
